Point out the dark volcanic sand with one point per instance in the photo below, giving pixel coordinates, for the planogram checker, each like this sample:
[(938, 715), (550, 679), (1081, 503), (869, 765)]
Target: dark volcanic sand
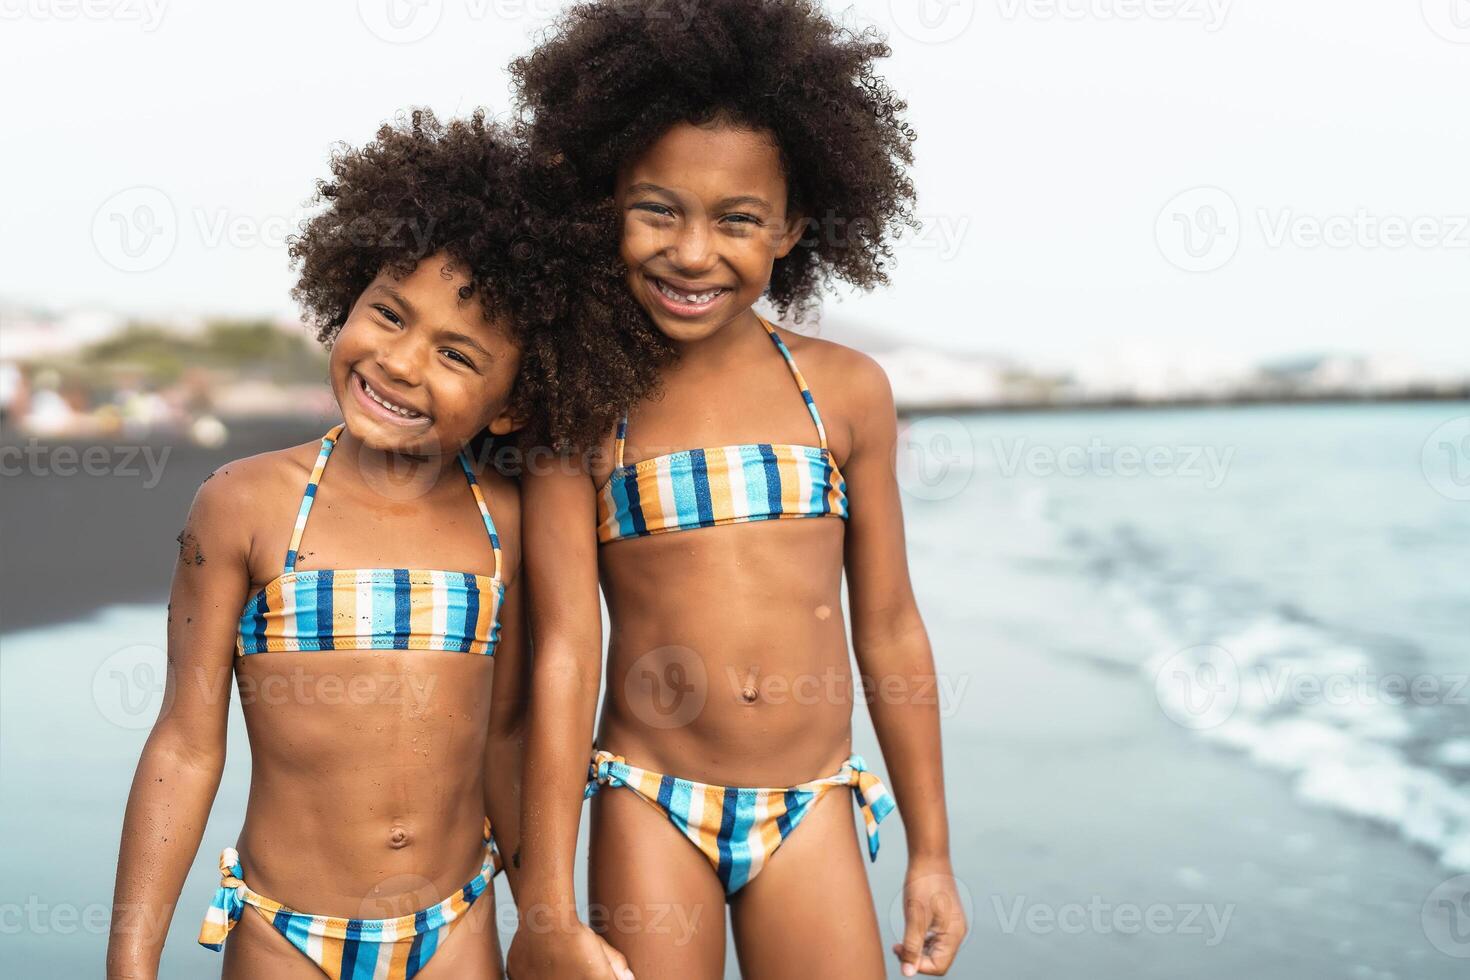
[(73, 541)]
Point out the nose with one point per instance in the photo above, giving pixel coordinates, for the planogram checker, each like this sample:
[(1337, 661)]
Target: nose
[(691, 251), (400, 360)]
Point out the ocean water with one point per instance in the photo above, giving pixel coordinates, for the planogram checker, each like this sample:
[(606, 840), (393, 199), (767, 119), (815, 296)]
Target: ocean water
[(1294, 583), (1269, 606)]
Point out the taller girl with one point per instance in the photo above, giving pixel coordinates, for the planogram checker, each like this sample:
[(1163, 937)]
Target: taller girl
[(752, 152)]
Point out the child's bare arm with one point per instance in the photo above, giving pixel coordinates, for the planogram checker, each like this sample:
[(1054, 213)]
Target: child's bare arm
[(505, 747), (180, 767), (895, 659), (560, 545)]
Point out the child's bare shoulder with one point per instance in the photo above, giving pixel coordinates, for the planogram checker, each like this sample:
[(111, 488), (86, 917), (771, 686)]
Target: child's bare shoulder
[(838, 373), (502, 493), (503, 497), (243, 493)]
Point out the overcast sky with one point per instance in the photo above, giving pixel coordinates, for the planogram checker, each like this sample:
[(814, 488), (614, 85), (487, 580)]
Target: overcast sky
[(1190, 178)]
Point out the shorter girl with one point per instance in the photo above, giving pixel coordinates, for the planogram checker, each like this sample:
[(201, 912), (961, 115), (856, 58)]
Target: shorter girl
[(361, 588)]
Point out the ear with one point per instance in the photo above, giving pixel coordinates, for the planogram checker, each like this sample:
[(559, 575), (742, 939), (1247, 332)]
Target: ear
[(505, 423), (790, 235)]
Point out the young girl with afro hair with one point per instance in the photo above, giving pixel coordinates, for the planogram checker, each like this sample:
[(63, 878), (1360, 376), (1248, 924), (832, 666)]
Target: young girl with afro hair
[(752, 153), (362, 590)]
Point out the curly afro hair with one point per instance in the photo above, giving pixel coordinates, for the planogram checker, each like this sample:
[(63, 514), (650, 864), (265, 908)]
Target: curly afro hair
[(422, 187), (612, 76)]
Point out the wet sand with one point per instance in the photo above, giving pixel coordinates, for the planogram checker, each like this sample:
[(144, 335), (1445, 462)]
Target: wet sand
[(85, 524)]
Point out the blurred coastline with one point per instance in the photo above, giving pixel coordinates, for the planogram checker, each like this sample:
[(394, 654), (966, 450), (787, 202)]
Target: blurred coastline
[(95, 375)]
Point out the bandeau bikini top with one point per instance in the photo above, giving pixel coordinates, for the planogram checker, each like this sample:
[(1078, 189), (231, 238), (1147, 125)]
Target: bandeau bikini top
[(721, 485), (374, 608)]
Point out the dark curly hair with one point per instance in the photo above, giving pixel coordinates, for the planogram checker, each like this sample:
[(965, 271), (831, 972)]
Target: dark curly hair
[(611, 76), (423, 186)]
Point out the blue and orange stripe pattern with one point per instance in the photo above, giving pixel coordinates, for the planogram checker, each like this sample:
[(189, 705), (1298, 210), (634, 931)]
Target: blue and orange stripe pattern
[(721, 485), (374, 608), (347, 949), (738, 828)]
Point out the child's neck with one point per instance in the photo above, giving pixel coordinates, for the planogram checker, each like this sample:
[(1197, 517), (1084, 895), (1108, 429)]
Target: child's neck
[(722, 346), (380, 468)]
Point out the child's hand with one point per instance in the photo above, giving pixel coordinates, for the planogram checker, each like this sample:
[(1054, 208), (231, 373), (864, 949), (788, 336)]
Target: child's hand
[(556, 954), (934, 920)]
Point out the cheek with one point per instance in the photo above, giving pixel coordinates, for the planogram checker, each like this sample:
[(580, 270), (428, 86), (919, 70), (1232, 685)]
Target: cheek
[(641, 242)]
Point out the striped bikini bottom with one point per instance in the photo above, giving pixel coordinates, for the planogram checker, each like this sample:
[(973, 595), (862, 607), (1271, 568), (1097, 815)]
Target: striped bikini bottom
[(738, 828), (347, 949)]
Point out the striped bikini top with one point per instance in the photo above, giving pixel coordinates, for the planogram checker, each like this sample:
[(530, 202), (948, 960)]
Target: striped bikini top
[(724, 484), (374, 608)]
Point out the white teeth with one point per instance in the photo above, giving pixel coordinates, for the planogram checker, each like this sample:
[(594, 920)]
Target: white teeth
[(407, 413), (696, 299)]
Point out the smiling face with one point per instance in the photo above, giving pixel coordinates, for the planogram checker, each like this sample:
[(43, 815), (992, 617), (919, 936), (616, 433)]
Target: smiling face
[(704, 220), (417, 369)]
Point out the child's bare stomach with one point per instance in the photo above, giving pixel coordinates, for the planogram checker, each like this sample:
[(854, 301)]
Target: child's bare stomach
[(366, 790), (728, 660)]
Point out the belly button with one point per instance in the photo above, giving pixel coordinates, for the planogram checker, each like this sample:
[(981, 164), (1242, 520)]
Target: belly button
[(748, 695), (398, 837)]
